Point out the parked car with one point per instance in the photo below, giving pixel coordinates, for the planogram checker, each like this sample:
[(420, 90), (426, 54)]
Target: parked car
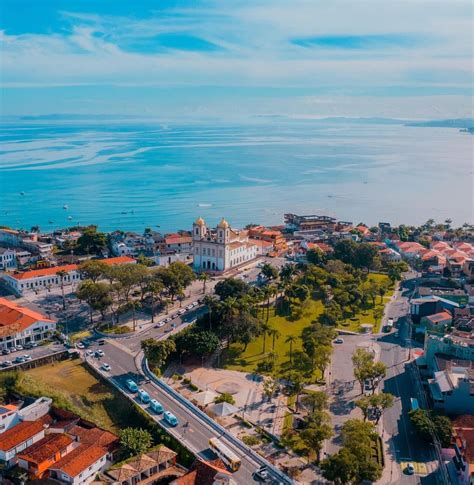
[(18, 347), (182, 311), (80, 345), (101, 341), (6, 363), (262, 473), (410, 469), (339, 340), (18, 360), (99, 353), (89, 352), (27, 357), (106, 367), (5, 351), (189, 307)]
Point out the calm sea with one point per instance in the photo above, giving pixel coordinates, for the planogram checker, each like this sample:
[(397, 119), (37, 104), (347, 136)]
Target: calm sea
[(132, 175)]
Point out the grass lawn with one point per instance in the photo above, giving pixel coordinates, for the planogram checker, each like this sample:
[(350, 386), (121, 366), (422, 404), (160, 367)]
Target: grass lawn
[(367, 316), (92, 398), (235, 359)]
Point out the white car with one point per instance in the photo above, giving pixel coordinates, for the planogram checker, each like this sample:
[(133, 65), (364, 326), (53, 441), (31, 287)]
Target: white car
[(27, 357), (89, 352), (195, 303), (189, 307), (182, 311), (106, 367), (80, 345), (99, 353), (410, 469)]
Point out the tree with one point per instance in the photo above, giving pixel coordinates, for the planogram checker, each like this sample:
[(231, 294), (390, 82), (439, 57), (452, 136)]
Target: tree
[(135, 441), (210, 302), (291, 339), (231, 287), (362, 359), (270, 385), (96, 295), (375, 405), (274, 334), (269, 272), (316, 401), (196, 341), (318, 430), (204, 277), (378, 314), (92, 241), (340, 468), (154, 288), (428, 424), (158, 351), (316, 257), (225, 397), (62, 274), (265, 331), (92, 269)]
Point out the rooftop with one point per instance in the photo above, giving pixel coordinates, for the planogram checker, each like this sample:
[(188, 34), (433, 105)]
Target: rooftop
[(15, 318), (19, 434), (79, 459), (46, 448)]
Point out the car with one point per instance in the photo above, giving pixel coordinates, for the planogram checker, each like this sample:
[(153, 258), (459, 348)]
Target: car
[(143, 396), (167, 319), (105, 367), (6, 363), (18, 347), (182, 311), (131, 385), (170, 418), (156, 406), (27, 357), (339, 340), (101, 341), (99, 353), (33, 345), (410, 469), (80, 345), (5, 351), (367, 387), (89, 352), (189, 307), (262, 473), (86, 342), (195, 303), (18, 360)]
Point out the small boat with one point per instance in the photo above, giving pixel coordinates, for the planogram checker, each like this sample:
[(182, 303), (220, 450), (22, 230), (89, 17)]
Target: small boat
[(124, 212), (22, 193), (69, 217), (204, 205), (65, 207)]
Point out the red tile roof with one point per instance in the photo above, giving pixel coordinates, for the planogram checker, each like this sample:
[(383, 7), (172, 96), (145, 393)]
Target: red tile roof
[(19, 434), (202, 473), (439, 317), (95, 435), (37, 273), (79, 459), (15, 318), (45, 448)]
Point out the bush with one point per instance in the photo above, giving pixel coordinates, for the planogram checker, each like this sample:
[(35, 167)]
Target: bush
[(193, 387), (186, 380), (250, 440), (225, 397), (177, 377)]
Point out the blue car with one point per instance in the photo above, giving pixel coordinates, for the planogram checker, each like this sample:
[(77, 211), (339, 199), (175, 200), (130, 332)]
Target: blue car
[(170, 418), (131, 385), (156, 406), (143, 396)]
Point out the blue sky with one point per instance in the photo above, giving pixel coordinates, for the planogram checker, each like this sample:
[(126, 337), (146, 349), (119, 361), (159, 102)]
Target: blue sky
[(181, 59)]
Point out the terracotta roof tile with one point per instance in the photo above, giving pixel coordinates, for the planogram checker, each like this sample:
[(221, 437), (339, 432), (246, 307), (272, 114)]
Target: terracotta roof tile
[(79, 459), (15, 318), (95, 435), (45, 448), (19, 434)]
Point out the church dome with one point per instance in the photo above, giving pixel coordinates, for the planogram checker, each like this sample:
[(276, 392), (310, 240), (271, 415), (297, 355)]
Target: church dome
[(200, 221), (223, 224)]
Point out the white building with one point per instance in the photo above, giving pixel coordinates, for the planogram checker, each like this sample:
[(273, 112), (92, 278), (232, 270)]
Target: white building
[(7, 259), (20, 325), (222, 248)]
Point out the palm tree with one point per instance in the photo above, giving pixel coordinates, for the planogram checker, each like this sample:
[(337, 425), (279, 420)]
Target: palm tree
[(154, 288), (209, 301), (274, 333), (291, 339), (265, 330), (204, 277), (62, 274)]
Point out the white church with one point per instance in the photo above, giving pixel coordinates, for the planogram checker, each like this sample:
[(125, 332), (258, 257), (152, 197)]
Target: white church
[(222, 248)]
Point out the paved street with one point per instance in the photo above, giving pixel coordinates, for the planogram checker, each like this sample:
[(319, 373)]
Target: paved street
[(36, 353), (196, 433)]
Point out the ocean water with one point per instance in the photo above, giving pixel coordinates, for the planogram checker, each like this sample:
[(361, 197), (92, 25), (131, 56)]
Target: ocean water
[(132, 175)]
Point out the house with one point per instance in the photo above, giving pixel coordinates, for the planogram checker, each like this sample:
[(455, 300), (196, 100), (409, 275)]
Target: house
[(452, 386), (309, 222), (157, 464), (80, 466), (181, 244), (19, 325), (206, 473), (274, 236), (46, 278), (222, 248), (437, 322), (18, 438), (39, 457), (7, 259), (390, 255), (89, 434), (264, 248), (463, 444)]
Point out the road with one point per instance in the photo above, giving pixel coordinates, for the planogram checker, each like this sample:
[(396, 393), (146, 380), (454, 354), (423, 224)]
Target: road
[(195, 434)]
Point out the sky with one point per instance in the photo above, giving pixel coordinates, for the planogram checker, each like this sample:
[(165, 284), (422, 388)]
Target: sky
[(182, 60)]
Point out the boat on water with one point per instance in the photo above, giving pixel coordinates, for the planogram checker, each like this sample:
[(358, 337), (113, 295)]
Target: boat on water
[(65, 207), (69, 217), (204, 205), (22, 193)]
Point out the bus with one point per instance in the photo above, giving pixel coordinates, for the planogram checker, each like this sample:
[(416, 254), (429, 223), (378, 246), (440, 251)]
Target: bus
[(225, 454), (144, 396), (414, 404), (156, 406), (131, 386), (170, 418)]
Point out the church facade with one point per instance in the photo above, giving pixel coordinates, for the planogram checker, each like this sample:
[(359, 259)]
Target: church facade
[(222, 248)]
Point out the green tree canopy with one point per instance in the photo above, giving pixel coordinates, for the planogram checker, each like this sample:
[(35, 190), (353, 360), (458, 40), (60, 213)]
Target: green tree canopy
[(135, 441)]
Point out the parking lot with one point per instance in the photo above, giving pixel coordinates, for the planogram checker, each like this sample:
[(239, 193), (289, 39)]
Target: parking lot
[(28, 354)]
